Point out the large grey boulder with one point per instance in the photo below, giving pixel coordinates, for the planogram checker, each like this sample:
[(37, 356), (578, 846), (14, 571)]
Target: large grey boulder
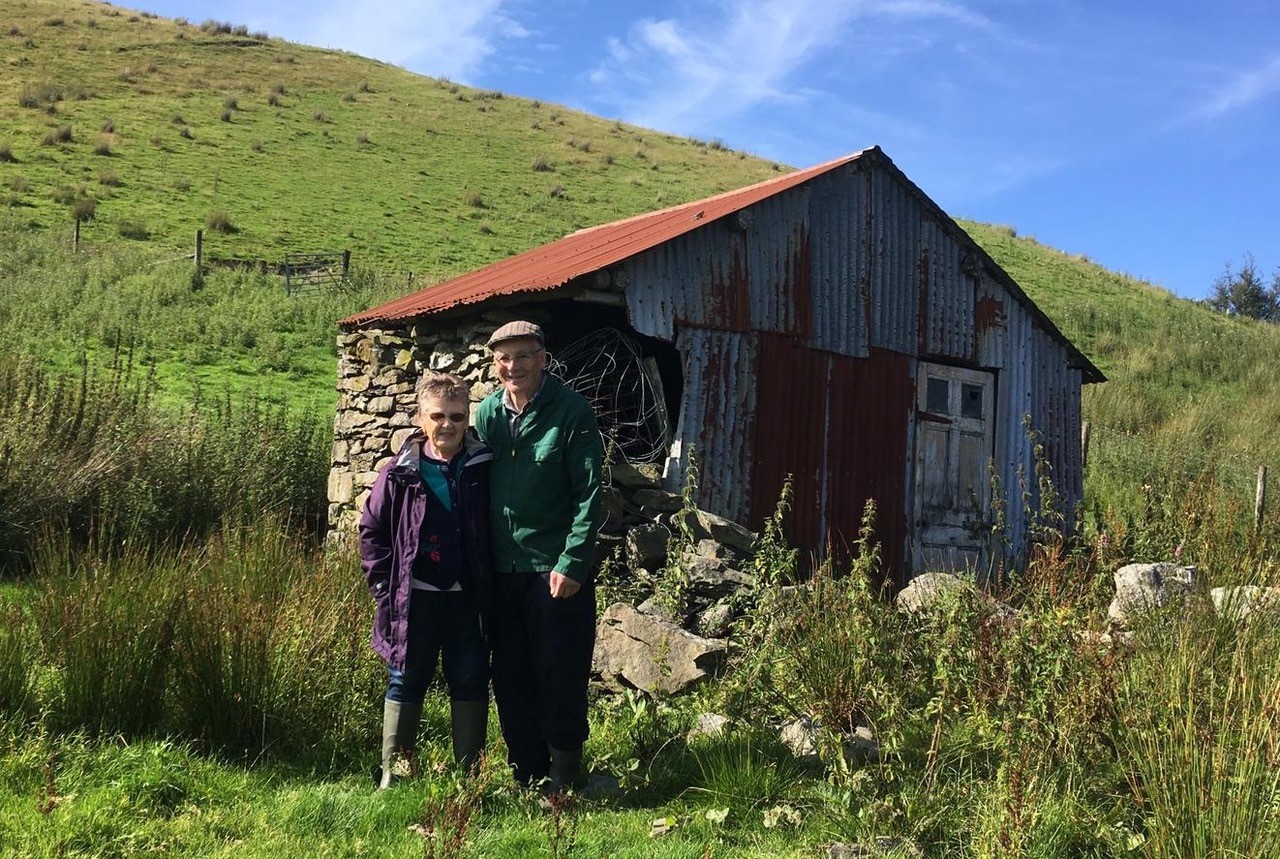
[(1141, 588), (1239, 602), (640, 651)]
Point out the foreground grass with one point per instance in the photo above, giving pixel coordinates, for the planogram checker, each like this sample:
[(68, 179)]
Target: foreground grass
[(72, 796)]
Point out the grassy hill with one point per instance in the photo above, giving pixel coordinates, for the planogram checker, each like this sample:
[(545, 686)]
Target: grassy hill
[(170, 126)]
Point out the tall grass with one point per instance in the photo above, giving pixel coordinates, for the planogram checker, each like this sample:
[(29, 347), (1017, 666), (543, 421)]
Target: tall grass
[(249, 642), (92, 453), (1202, 703)]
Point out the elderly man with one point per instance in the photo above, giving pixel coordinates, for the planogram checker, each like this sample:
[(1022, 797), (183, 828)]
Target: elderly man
[(424, 549), (544, 514)]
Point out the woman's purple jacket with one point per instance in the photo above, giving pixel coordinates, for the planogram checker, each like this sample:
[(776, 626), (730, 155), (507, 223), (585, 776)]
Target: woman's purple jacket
[(391, 528)]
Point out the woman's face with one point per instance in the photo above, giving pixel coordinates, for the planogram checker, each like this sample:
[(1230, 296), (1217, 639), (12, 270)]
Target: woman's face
[(444, 422)]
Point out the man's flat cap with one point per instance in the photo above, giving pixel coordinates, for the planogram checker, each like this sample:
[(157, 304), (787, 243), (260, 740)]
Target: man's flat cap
[(518, 330)]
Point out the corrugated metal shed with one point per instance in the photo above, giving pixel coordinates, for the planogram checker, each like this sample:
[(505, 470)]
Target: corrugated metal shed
[(804, 310)]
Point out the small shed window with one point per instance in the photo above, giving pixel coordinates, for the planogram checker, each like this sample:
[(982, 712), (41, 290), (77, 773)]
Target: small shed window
[(971, 401), (938, 397)]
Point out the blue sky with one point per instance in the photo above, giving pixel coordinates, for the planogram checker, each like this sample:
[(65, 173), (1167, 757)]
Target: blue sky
[(1144, 135)]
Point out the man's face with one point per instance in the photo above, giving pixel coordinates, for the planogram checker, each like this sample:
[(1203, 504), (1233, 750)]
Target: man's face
[(519, 365), (444, 422)]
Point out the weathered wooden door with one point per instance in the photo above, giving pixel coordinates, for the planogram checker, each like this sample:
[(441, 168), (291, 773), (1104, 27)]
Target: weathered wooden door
[(954, 446)]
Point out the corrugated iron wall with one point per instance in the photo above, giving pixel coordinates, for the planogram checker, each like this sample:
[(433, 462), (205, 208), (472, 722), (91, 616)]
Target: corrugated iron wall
[(718, 413), (849, 280)]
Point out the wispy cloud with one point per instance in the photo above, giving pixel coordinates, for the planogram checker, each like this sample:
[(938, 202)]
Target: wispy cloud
[(748, 53), (436, 37), (1242, 90)]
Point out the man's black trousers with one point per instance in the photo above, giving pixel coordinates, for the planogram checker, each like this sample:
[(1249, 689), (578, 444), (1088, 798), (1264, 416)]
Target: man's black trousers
[(541, 664)]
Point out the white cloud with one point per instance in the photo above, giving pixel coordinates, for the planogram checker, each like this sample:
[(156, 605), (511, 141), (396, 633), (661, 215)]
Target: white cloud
[(435, 37), (684, 73), (1243, 90)]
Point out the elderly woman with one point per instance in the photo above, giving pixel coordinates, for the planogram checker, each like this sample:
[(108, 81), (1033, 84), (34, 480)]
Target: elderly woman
[(424, 550)]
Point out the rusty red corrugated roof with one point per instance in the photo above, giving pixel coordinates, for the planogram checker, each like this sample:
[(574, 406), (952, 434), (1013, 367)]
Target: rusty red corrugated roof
[(588, 250)]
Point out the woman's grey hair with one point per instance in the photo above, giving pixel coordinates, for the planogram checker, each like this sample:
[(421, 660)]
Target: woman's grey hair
[(445, 386)]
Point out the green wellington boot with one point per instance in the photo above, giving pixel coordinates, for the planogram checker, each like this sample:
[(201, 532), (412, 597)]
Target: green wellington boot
[(399, 736), (565, 767), (470, 722)]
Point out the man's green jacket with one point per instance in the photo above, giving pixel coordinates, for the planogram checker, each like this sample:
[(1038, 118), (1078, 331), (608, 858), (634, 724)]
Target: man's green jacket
[(544, 492)]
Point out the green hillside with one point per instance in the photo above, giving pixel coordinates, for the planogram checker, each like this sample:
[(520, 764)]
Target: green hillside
[(167, 124)]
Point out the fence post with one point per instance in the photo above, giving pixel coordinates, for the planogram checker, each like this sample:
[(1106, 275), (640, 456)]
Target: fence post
[(199, 249), (1084, 445), (346, 263), (1260, 499)]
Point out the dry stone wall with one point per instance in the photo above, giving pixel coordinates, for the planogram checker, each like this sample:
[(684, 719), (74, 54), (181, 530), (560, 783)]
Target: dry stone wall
[(378, 369)]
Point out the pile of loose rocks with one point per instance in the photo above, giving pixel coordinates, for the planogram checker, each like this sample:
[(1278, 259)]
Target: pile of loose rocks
[(674, 638)]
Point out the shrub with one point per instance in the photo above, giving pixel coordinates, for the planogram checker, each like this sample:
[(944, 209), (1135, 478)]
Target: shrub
[(63, 195), (220, 222), (181, 184), (362, 138), (606, 159), (6, 154), (133, 230), (102, 148), (230, 103), (185, 132), (240, 30), (256, 145), (108, 126), (19, 184), (364, 87), (541, 164), (178, 119), (109, 178), (474, 199), (226, 116), (556, 191), (84, 209), (349, 96), (273, 100), (42, 95), (261, 35), (484, 229), (320, 116)]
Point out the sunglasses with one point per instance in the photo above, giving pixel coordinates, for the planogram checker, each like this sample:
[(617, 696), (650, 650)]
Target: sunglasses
[(455, 417)]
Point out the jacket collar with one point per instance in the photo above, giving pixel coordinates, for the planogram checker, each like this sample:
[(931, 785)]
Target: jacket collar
[(409, 459)]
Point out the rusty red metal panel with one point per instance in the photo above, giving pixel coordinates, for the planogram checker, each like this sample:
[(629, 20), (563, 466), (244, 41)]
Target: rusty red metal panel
[(790, 434), (871, 401), (839, 426)]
